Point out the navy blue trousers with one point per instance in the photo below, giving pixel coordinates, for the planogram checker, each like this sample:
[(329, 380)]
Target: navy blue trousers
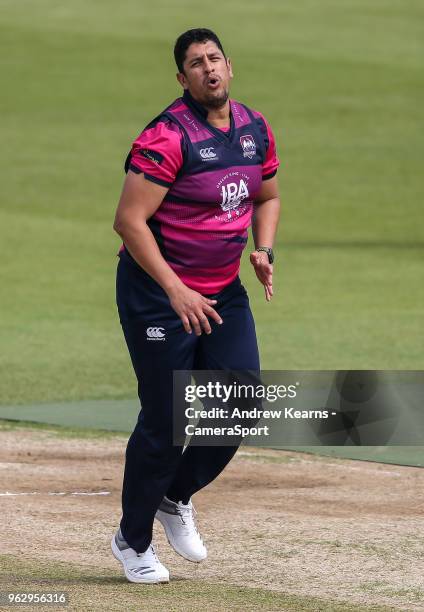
[(154, 467)]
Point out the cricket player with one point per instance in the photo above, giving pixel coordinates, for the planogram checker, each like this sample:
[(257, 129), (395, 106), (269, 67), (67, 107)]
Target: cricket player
[(198, 176)]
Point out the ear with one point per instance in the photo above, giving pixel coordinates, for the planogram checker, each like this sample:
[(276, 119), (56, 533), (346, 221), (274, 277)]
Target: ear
[(181, 78), (230, 67)]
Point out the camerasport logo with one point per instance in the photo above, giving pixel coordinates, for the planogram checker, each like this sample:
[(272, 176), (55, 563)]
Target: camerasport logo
[(156, 333), (248, 145)]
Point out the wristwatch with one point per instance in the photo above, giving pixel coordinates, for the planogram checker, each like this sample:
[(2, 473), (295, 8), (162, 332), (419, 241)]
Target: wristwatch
[(269, 252)]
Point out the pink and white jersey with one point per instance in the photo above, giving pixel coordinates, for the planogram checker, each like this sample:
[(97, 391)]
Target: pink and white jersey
[(213, 178)]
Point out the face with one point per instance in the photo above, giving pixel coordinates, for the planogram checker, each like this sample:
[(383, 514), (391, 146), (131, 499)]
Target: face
[(207, 74)]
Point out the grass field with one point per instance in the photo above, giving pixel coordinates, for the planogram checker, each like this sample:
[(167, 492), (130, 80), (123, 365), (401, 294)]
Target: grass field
[(88, 589), (341, 83)]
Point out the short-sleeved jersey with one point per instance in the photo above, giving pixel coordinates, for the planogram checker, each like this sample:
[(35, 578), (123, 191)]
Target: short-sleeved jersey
[(213, 177)]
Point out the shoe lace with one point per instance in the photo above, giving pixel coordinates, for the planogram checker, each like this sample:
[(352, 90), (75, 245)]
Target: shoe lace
[(153, 552), (187, 514)]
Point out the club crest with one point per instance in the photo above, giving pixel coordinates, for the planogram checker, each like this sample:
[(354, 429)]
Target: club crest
[(248, 145)]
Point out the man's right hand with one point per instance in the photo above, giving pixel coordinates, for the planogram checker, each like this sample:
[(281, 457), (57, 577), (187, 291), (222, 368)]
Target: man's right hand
[(193, 309)]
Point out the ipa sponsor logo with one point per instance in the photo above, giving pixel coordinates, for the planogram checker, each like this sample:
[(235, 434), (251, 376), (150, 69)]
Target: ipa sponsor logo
[(155, 333), (233, 188), (232, 194)]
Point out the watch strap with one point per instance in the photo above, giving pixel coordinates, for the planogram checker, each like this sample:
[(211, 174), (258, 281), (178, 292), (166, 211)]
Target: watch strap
[(268, 251)]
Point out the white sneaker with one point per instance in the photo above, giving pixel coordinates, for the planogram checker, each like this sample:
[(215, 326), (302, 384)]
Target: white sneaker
[(138, 567), (181, 531)]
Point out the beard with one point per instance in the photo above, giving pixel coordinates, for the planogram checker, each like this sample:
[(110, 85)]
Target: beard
[(215, 101)]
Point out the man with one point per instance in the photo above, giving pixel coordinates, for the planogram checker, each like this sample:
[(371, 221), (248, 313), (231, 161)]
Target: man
[(196, 176)]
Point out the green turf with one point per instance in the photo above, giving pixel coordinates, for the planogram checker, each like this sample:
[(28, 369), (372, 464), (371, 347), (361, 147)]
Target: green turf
[(341, 83), (398, 455), (109, 415), (88, 588), (61, 431)]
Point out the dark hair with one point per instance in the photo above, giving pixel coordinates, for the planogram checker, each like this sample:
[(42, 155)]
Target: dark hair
[(197, 35)]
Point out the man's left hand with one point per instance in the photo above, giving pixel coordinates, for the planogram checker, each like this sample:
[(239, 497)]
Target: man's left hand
[(263, 269)]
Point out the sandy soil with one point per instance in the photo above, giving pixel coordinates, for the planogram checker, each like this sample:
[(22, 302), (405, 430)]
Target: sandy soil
[(291, 522)]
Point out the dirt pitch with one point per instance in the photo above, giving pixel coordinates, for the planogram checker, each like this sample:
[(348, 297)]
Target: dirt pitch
[(285, 531)]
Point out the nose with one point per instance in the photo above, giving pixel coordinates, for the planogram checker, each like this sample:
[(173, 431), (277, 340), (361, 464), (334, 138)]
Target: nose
[(208, 65)]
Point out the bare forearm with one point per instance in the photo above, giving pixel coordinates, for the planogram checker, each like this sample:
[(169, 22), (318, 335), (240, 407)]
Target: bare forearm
[(265, 222), (143, 247)]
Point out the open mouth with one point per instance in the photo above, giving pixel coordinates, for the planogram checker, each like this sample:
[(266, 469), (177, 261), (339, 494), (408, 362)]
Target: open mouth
[(213, 81)]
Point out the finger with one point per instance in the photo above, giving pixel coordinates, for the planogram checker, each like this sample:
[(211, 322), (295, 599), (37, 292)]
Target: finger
[(213, 314), (262, 277), (265, 279), (195, 324), (268, 277), (203, 320), (267, 294), (264, 271), (270, 289), (210, 302), (186, 324)]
